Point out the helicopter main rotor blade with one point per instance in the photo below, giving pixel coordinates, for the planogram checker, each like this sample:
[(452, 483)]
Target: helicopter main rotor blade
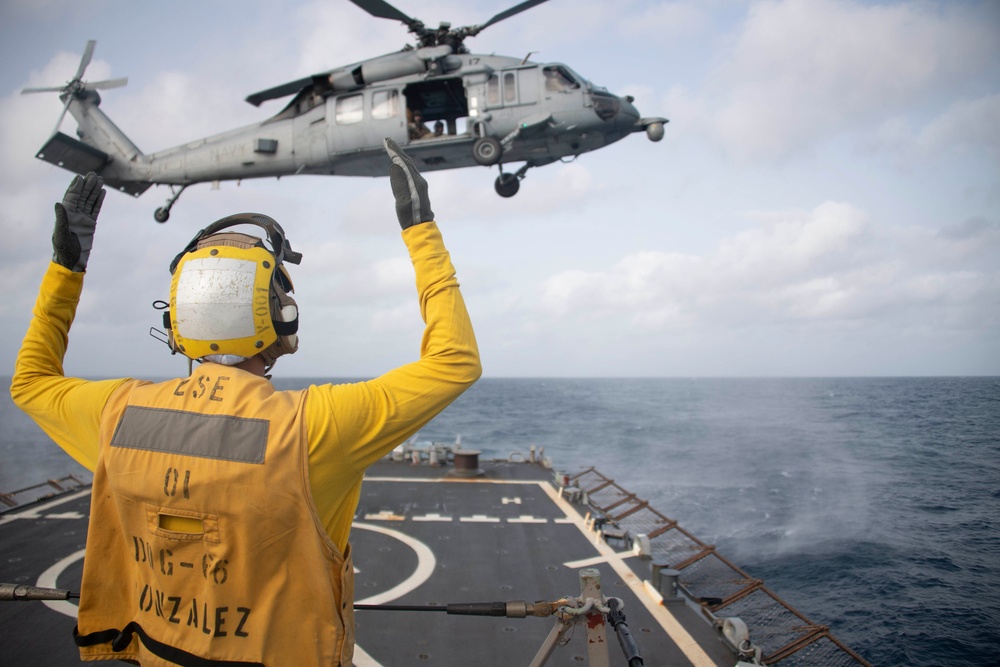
[(104, 85), (26, 91), (284, 90), (516, 9), (85, 60), (383, 10)]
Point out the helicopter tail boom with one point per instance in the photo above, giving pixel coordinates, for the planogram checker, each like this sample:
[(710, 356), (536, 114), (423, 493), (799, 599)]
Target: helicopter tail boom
[(101, 147), (74, 155)]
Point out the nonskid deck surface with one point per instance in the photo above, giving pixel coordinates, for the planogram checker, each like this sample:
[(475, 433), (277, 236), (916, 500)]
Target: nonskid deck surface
[(492, 538), (429, 535), (420, 538)]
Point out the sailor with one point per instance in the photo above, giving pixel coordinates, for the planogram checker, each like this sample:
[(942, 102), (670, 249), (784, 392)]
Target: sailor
[(221, 507), (417, 128)]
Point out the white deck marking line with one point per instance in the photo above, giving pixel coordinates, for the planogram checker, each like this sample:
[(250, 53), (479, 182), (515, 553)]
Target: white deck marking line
[(438, 480), (426, 562), (362, 659), (480, 518), (564, 520), (48, 579), (684, 641), (515, 500), (385, 515), (433, 516), (35, 513), (596, 560), (527, 518)]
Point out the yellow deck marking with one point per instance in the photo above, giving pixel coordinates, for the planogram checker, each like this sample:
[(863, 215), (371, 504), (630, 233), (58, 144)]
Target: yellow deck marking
[(684, 641)]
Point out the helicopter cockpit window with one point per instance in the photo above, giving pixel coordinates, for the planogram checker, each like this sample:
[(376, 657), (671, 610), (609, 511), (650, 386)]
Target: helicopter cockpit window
[(385, 104), (350, 109), (559, 79)]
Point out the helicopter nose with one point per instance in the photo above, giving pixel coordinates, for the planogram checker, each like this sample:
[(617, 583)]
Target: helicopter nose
[(628, 111), (627, 115), (614, 109)]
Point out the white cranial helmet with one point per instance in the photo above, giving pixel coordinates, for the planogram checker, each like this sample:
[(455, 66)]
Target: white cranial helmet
[(229, 297)]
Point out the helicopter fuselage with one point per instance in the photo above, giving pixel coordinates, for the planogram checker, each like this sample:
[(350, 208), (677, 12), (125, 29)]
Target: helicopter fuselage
[(448, 110)]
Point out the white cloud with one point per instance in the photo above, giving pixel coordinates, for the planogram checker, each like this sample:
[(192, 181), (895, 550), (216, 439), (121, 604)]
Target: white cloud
[(829, 265), (967, 124), (334, 36), (664, 21), (812, 69), (792, 243)]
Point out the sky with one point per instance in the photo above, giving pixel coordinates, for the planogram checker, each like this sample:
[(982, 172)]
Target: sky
[(825, 200)]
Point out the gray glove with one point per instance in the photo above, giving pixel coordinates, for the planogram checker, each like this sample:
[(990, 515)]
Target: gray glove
[(76, 219), (408, 187)]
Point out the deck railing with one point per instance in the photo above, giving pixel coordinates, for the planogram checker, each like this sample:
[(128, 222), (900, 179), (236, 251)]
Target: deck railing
[(53, 487), (785, 635)]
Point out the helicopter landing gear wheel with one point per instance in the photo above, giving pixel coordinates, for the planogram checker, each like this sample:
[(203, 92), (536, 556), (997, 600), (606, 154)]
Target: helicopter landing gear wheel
[(162, 214), (486, 151), (507, 185)]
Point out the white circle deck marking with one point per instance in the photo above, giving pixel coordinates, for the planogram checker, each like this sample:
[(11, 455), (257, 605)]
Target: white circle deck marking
[(48, 579), (426, 563)]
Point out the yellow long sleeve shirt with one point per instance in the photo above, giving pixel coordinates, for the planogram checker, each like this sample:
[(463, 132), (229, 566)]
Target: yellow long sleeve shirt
[(349, 426)]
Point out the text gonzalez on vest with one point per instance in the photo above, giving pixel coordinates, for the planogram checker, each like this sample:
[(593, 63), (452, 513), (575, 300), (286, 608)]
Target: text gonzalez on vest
[(216, 621)]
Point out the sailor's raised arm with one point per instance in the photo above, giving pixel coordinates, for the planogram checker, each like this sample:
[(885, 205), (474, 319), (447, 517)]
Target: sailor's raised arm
[(375, 416), (67, 409)]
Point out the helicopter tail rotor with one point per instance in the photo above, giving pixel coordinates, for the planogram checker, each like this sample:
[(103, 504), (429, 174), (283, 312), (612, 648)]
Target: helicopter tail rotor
[(77, 86)]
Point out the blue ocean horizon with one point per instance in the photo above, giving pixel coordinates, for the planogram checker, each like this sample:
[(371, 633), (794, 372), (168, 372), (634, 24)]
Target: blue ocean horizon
[(871, 505)]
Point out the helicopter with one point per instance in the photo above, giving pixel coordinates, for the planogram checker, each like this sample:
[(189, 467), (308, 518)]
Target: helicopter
[(485, 110)]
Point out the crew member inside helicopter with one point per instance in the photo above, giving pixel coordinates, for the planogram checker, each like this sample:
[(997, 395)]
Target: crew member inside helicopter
[(558, 80), (417, 128), (221, 507)]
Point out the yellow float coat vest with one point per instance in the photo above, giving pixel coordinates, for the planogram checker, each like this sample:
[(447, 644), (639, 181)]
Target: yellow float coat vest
[(205, 547)]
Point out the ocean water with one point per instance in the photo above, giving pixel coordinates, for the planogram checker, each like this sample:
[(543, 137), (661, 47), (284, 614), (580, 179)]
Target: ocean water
[(872, 505)]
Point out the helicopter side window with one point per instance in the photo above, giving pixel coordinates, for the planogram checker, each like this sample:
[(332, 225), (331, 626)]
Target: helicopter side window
[(350, 109), (509, 87), (385, 104), (558, 79), (493, 91)]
